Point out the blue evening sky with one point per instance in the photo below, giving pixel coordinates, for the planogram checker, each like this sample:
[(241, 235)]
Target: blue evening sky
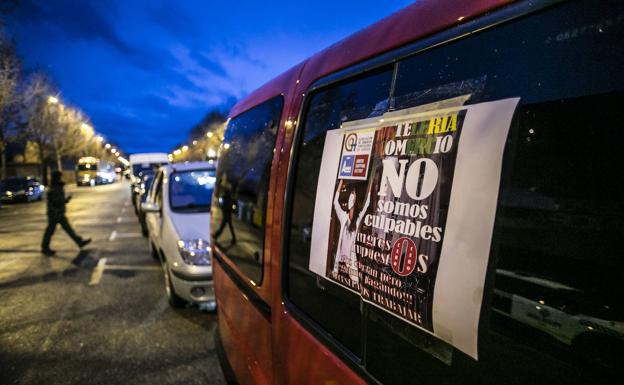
[(147, 71)]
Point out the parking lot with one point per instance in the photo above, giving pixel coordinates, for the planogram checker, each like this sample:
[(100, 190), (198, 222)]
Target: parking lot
[(97, 315)]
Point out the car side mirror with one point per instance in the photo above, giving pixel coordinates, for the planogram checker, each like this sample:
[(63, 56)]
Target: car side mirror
[(150, 207)]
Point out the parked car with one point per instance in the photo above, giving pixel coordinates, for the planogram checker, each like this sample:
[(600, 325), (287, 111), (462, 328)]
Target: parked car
[(366, 199), (141, 190), (177, 213), (140, 163), (21, 189)]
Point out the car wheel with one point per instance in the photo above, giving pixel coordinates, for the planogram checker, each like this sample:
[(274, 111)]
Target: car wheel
[(144, 230), (174, 299), (155, 254)]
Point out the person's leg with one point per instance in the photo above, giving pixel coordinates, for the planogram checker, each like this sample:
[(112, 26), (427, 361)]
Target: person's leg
[(232, 230), (221, 227), (47, 235), (68, 229)]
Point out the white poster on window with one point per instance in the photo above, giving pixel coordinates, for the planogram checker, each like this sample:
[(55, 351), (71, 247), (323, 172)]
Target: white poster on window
[(405, 208)]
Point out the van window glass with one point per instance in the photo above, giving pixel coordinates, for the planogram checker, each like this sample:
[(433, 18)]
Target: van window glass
[(334, 308), (239, 212), (556, 314)]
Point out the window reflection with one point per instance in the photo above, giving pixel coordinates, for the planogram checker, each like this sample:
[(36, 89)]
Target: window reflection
[(242, 186)]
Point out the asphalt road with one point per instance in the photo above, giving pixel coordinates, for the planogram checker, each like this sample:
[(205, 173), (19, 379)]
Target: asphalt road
[(61, 322)]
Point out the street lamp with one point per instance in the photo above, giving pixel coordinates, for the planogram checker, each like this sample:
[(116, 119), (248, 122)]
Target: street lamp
[(52, 100), (209, 134), (107, 146)]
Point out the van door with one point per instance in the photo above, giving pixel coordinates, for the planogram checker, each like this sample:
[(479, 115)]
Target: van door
[(240, 227)]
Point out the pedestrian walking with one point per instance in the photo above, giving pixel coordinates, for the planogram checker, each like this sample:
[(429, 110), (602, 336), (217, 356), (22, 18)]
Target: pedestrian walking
[(224, 192), (56, 215)]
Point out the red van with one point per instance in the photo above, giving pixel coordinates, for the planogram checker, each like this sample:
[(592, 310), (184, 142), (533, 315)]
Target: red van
[(436, 199)]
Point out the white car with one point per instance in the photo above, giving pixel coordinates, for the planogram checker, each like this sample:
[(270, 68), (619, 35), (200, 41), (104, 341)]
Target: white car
[(177, 212)]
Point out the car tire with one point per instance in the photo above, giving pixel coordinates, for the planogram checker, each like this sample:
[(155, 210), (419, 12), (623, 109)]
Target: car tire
[(174, 300), (144, 230), (155, 254)]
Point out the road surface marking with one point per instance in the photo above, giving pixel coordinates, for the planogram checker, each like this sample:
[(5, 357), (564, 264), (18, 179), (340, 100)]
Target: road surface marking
[(113, 236), (132, 267), (128, 235), (96, 276), (126, 204), (118, 219), (123, 210)]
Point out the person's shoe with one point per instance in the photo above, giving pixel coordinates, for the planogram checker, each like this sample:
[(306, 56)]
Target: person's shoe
[(84, 242), (48, 252)]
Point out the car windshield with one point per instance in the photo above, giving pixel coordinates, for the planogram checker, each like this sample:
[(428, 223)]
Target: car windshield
[(13, 183), (87, 167), (192, 190)]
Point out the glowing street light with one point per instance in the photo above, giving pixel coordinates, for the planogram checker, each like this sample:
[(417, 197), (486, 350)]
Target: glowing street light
[(212, 153), (177, 152), (99, 139), (113, 150), (52, 100), (185, 148), (107, 146), (209, 134)]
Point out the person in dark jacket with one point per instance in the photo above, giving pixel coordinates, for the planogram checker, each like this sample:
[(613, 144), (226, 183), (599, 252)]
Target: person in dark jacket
[(56, 215), (224, 192)]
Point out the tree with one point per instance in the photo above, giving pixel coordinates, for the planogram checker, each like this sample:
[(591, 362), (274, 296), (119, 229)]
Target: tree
[(10, 100), (72, 135), (41, 116)]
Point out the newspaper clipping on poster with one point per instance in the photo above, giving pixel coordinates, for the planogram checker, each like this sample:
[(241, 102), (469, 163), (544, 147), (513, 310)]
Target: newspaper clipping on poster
[(405, 211)]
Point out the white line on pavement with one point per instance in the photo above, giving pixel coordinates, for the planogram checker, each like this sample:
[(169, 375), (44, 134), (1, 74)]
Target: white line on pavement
[(118, 219), (123, 210), (96, 276), (113, 236), (132, 267), (128, 235)]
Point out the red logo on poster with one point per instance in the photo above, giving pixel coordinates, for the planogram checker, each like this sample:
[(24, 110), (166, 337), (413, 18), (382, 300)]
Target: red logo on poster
[(404, 256), (359, 168)]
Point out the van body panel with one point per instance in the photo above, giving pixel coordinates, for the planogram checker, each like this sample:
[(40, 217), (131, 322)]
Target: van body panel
[(244, 331), (249, 322), (297, 354)]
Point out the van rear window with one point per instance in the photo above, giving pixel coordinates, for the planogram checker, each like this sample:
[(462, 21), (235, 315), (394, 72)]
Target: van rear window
[(552, 311)]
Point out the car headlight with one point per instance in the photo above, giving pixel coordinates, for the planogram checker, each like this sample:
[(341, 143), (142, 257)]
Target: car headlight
[(195, 252)]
